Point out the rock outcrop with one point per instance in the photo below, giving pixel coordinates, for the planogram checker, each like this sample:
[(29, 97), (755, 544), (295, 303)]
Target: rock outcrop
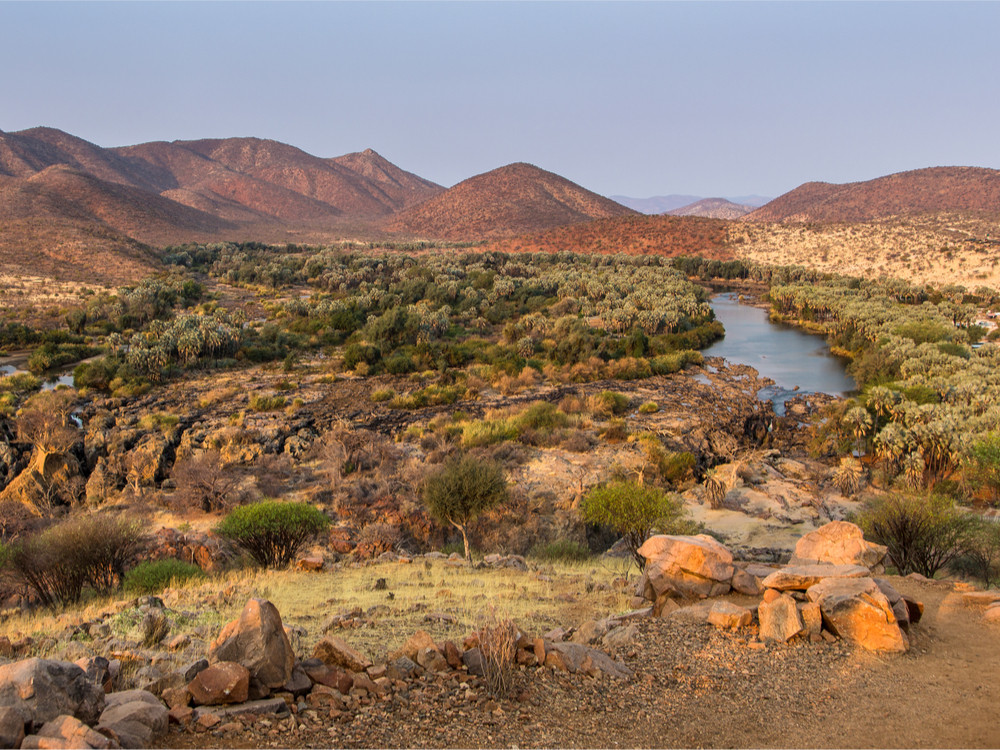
[(858, 611), (839, 543), (685, 566), (258, 641)]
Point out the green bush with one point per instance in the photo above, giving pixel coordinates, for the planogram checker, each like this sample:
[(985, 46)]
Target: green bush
[(634, 511), (487, 432), (923, 533), (272, 532), (542, 416), (267, 403), (981, 551), (650, 407), (562, 550), (151, 577), (609, 402)]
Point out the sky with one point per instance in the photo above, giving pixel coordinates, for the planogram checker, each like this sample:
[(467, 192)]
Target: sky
[(636, 99)]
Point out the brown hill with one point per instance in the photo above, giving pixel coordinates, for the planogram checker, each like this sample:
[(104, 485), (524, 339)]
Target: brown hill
[(713, 208), (401, 187), (511, 200), (636, 235), (921, 191)]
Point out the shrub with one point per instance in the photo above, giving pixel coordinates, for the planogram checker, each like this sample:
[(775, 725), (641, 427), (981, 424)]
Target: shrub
[(981, 551), (207, 482), (984, 466), (498, 638), (267, 403), (487, 432), (58, 563), (922, 533), (607, 403), (462, 489), (272, 532), (633, 510), (650, 407), (542, 416), (565, 550), (152, 576)]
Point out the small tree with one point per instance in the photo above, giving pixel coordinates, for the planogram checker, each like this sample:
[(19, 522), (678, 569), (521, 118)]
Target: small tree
[(984, 465), (634, 511), (272, 532), (922, 533), (981, 551), (207, 482), (45, 421), (461, 490)]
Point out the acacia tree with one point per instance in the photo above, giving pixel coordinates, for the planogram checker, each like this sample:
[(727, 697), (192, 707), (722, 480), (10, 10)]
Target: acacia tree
[(462, 489)]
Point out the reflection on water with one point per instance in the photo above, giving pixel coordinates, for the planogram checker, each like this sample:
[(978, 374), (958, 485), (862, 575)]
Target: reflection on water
[(786, 355)]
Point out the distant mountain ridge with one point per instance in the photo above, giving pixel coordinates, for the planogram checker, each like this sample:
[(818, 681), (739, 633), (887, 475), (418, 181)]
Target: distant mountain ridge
[(713, 208), (664, 204), (920, 191)]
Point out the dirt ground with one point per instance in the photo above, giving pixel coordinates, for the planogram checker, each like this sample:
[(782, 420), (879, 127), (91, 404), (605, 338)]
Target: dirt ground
[(695, 686)]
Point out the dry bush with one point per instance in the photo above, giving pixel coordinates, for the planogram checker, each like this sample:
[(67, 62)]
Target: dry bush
[(849, 476), (498, 636), (208, 482), (45, 421), (272, 474)]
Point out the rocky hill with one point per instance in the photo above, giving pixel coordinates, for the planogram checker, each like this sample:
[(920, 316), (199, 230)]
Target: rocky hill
[(713, 208), (516, 199), (921, 191)]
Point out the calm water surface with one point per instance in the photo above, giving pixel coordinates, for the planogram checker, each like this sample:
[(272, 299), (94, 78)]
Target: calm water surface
[(787, 355)]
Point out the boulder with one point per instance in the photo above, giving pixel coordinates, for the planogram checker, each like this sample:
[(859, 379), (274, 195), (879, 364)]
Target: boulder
[(690, 566), (225, 682), (419, 640), (812, 618), (575, 657), (801, 577), (432, 660), (44, 689), (590, 631), (857, 611), (839, 543), (67, 732), (744, 583), (616, 638), (334, 652), (779, 618), (729, 616), (136, 722), (12, 721), (258, 641), (992, 614)]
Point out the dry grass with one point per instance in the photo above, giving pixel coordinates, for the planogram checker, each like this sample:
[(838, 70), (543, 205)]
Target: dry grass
[(448, 601)]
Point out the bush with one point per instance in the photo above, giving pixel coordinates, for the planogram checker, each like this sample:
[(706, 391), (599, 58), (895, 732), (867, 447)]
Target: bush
[(267, 403), (981, 551), (923, 533), (151, 577), (58, 563), (650, 407), (542, 416), (487, 432), (607, 403), (461, 490), (272, 532), (633, 510), (984, 466), (565, 550)]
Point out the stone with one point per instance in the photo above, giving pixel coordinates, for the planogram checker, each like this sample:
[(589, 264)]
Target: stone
[(473, 661), (689, 566), (12, 721), (779, 619), (771, 594), (225, 682), (333, 677), (337, 653), (619, 637), (191, 671), (664, 606), (45, 689), (130, 696), (263, 707), (419, 640), (451, 654), (98, 670), (67, 731), (432, 660), (258, 641), (727, 615), (744, 583), (992, 614), (311, 563), (576, 657), (839, 543), (136, 723), (180, 714), (299, 683), (176, 697), (857, 611), (801, 577), (914, 609), (812, 618), (590, 632)]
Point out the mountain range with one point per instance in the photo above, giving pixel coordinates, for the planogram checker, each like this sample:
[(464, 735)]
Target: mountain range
[(69, 207)]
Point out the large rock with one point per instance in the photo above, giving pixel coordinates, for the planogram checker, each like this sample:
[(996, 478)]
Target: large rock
[(66, 732), (690, 566), (801, 577), (576, 657), (727, 615), (45, 689), (839, 543), (135, 719), (12, 721), (225, 682), (337, 653), (857, 611), (779, 618), (258, 641)]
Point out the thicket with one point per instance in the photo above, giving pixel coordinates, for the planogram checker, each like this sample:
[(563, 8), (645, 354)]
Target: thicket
[(153, 576)]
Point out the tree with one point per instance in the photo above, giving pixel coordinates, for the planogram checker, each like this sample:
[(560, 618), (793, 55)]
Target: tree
[(462, 489), (272, 531), (981, 551), (984, 465), (634, 511), (45, 421)]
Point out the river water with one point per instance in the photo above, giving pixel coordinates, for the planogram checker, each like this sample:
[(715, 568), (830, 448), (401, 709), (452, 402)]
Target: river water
[(788, 356)]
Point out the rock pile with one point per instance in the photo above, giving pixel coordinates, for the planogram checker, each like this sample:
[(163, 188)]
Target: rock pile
[(828, 590)]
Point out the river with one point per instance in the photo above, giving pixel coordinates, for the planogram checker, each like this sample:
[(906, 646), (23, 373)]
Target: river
[(796, 361)]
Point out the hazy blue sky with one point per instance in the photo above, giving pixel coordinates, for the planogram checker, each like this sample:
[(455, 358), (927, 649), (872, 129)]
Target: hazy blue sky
[(630, 98)]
